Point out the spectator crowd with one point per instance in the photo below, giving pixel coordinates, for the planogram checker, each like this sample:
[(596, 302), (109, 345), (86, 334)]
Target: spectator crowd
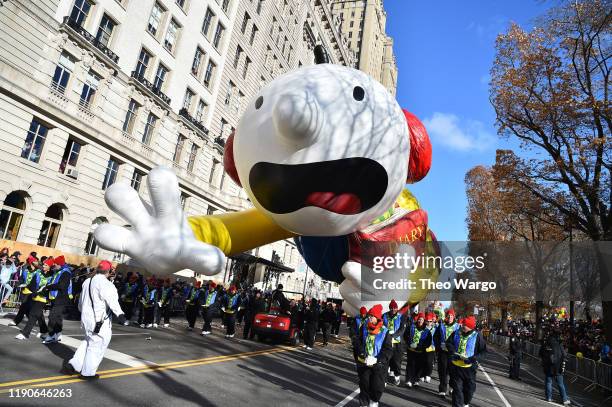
[(588, 339)]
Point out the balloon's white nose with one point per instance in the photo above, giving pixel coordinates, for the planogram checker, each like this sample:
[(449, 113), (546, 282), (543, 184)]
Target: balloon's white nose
[(297, 119)]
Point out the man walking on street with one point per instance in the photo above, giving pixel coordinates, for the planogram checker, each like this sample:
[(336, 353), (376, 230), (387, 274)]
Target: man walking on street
[(98, 299), (60, 295), (444, 330), (374, 348), (396, 324), (231, 303), (191, 304), (516, 354), (39, 299), (464, 346), (553, 355), (208, 301)]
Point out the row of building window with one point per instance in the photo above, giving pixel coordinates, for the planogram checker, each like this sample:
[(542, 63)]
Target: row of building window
[(38, 132)]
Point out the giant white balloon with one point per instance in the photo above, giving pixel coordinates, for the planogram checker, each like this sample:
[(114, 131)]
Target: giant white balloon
[(322, 150)]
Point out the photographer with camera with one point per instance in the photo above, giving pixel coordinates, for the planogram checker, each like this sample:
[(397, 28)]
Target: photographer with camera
[(98, 301)]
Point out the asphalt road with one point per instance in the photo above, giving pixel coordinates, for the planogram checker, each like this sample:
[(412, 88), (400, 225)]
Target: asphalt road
[(173, 367)]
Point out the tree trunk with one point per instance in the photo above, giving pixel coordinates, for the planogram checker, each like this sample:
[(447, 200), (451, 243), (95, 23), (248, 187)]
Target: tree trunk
[(504, 318), (538, 314)]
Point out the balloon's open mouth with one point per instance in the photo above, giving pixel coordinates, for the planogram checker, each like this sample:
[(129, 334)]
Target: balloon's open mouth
[(347, 186)]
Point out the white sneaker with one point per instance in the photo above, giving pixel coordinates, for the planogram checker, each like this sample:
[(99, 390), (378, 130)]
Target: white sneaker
[(417, 383), (21, 337), (11, 323), (142, 325), (205, 332), (41, 336), (154, 325), (422, 379), (58, 336), (149, 326), (427, 379), (304, 346), (126, 323), (409, 384), (396, 381), (166, 325), (230, 336), (441, 394), (373, 404), (308, 348), (567, 402), (466, 405)]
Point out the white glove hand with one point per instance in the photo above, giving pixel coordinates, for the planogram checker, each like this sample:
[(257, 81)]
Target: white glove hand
[(370, 361), (351, 290), (160, 238)]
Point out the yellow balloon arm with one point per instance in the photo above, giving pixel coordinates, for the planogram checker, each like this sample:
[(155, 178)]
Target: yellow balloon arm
[(236, 232)]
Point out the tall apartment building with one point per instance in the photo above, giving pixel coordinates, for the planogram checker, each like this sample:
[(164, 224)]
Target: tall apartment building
[(364, 23), (97, 91)]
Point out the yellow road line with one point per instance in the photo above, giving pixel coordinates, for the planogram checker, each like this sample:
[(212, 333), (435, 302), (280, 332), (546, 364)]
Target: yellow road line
[(57, 380)]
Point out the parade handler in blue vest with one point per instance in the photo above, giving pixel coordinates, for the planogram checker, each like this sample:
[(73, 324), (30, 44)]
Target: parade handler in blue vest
[(231, 304), (39, 299), (60, 295), (99, 299), (418, 339), (355, 329), (396, 324), (209, 301), (464, 347), (374, 348), (443, 331)]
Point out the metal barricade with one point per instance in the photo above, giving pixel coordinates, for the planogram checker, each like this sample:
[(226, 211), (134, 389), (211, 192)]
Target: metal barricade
[(598, 374), (13, 299)]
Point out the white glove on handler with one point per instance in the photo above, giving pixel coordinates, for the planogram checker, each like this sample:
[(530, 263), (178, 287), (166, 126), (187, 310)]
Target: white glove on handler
[(160, 238), (351, 290), (370, 361)]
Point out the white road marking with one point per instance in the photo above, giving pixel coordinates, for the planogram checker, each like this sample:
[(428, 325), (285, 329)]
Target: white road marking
[(109, 354), (499, 393), (348, 398)]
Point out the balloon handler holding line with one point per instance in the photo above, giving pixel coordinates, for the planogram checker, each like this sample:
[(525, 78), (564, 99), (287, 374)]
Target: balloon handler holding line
[(324, 154)]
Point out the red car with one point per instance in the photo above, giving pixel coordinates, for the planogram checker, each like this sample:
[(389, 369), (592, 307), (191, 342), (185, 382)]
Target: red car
[(276, 324)]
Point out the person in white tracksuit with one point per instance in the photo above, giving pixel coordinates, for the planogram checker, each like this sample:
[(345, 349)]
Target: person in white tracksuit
[(103, 293)]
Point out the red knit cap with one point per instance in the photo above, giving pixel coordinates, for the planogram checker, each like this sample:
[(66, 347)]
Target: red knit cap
[(430, 316), (376, 311), (212, 284), (31, 260), (420, 315), (105, 265), (198, 284), (49, 262), (470, 322), (393, 305), (59, 261), (450, 311), (363, 311), (232, 288)]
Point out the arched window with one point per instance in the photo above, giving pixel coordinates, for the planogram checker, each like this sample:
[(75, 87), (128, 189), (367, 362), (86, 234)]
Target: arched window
[(11, 215), (51, 226), (91, 248)]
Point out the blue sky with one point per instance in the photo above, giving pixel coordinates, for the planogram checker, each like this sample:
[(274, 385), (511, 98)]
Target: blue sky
[(444, 52)]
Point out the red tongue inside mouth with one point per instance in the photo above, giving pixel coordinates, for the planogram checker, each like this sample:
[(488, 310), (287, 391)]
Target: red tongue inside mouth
[(344, 204)]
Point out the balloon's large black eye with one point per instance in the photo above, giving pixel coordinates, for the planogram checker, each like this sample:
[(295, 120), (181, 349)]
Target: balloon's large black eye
[(259, 102), (358, 93)]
